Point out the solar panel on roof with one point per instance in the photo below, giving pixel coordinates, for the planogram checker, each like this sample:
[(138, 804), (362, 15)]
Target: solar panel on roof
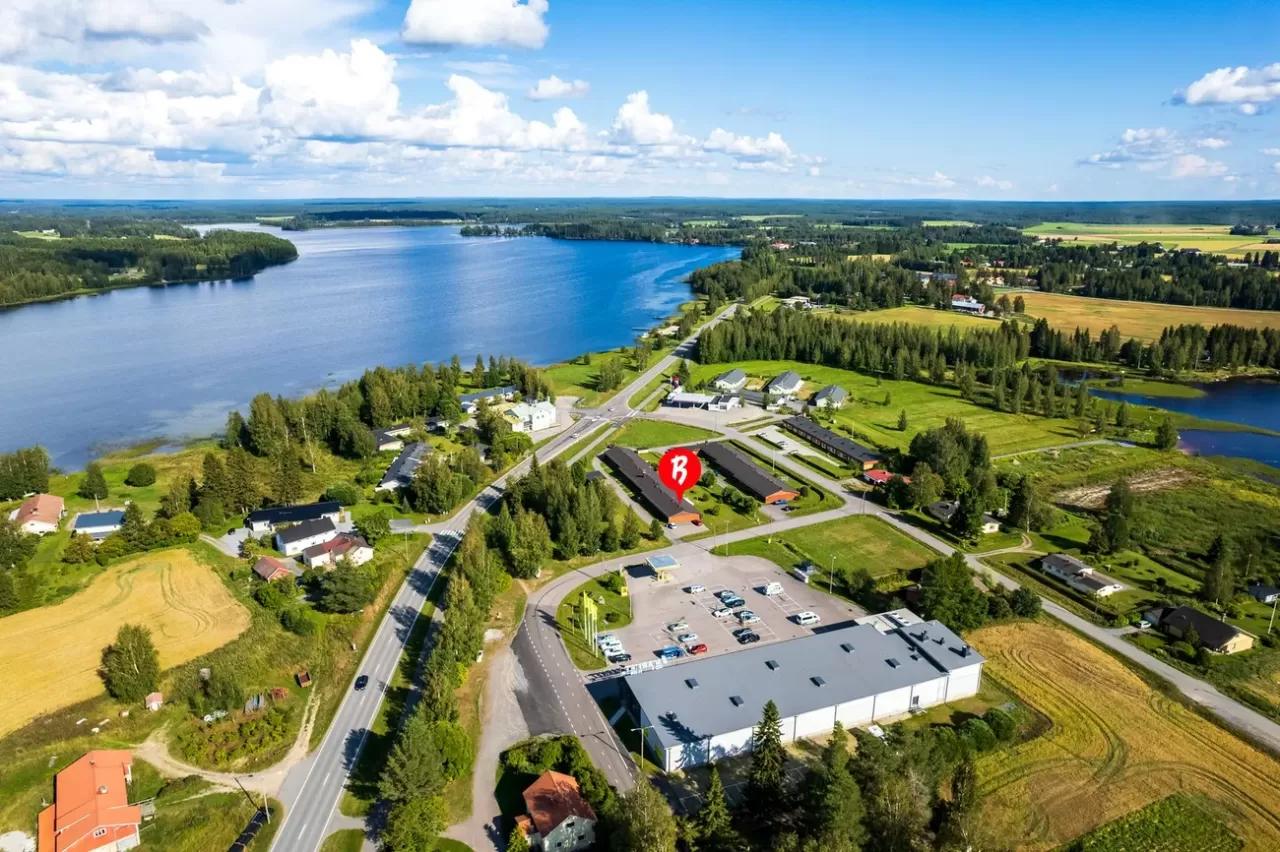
[(736, 700), (817, 680), (692, 683)]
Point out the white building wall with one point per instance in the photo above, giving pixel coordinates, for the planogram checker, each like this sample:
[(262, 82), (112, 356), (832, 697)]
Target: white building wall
[(296, 547), (856, 712), (893, 703), (930, 693), (815, 722), (733, 743), (964, 683)]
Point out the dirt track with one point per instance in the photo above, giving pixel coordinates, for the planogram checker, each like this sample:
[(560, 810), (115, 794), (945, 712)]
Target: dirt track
[(1094, 496)]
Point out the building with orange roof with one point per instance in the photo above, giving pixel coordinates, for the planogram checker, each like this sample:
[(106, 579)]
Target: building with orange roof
[(39, 515), (91, 810), (559, 818)]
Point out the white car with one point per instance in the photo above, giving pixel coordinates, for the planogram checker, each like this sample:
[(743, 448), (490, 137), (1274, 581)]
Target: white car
[(696, 589), (722, 612), (677, 626), (607, 639), (687, 638), (748, 617), (771, 589), (804, 619)]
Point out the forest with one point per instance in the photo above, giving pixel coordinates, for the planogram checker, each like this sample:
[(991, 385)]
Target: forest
[(32, 268)]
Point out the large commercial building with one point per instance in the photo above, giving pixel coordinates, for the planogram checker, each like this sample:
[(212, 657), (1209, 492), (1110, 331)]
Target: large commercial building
[(265, 520), (707, 710), (746, 474), (828, 441), (643, 480)]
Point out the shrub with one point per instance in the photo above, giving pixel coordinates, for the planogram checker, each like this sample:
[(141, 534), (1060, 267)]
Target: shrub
[(141, 475), (346, 493), (1183, 651), (298, 619), (1000, 723), (978, 735)]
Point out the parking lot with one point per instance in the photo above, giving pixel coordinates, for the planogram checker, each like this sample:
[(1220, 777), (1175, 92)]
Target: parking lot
[(659, 604)]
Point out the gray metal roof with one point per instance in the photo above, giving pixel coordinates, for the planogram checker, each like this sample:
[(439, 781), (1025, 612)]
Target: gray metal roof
[(644, 481), (1066, 562), (789, 379), (825, 438), (832, 392), (489, 394), (732, 377), (402, 470), (87, 520), (853, 663)]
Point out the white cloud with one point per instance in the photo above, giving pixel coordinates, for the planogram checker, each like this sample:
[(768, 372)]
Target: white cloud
[(1213, 143), (176, 83), (1271, 152), (331, 93), (97, 161), (989, 181), (476, 23), (553, 88), (1241, 86), (814, 171), (937, 180), (1196, 166), (636, 124), (747, 148), (25, 24), (1276, 166), (1138, 145)]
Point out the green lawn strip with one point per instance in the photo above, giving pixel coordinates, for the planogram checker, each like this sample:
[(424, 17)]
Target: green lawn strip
[(982, 544), (362, 787), (637, 399), (614, 612), (448, 844), (1176, 824), (590, 439), (581, 380), (643, 432), (1148, 387), (206, 823), (345, 840)]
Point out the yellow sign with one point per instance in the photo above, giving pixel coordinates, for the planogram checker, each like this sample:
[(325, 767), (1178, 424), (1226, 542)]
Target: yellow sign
[(590, 619)]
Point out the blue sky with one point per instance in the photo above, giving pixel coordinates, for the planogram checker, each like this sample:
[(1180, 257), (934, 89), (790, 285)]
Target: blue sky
[(299, 98)]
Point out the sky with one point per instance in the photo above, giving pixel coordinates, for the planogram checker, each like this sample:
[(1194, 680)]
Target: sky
[(539, 98)]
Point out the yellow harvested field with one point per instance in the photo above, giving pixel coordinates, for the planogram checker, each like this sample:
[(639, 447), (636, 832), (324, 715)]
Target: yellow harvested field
[(50, 656), (1144, 320), (1116, 745), (1215, 239)]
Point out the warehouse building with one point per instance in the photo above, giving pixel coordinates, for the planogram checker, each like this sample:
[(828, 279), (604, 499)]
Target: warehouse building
[(746, 474), (828, 441), (706, 710), (643, 481)]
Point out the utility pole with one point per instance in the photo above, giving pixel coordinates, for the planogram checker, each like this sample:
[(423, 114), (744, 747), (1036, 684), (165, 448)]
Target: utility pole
[(1273, 615), (831, 574), (642, 729)]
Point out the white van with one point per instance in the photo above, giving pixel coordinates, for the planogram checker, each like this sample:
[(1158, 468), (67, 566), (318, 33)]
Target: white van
[(771, 589), (805, 619)]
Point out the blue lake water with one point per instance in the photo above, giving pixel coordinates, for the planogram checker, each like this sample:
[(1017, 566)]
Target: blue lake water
[(131, 365)]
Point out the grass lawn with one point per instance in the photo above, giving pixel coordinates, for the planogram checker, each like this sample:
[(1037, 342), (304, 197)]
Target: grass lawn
[(1144, 320), (614, 612), (867, 415), (574, 378), (916, 315), (642, 432), (1175, 824), (345, 840), (1116, 746), (208, 824), (981, 544), (1149, 387), (638, 398)]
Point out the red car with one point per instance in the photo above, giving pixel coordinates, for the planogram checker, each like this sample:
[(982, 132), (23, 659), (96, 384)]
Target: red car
[(700, 648)]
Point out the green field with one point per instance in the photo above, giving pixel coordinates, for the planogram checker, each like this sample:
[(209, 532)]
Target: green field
[(642, 432), (344, 840), (581, 380), (1175, 824), (915, 315)]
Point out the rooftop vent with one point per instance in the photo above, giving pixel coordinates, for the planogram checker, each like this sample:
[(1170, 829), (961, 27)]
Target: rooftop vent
[(965, 651), (736, 700), (817, 680), (846, 647), (940, 640), (893, 663), (773, 665), (102, 790), (692, 683)]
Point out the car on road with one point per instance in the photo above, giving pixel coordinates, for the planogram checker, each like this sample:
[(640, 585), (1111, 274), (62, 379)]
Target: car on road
[(748, 617), (670, 525), (671, 652), (362, 682), (619, 658), (696, 588), (686, 638), (722, 612), (700, 648), (806, 618), (677, 626), (748, 638)]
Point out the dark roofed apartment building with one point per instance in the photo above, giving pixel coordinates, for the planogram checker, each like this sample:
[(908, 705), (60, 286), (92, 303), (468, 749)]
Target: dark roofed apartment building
[(828, 441), (264, 520), (642, 478), (746, 474)]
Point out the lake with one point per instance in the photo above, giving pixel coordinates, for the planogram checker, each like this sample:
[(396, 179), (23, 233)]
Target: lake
[(1251, 402), (94, 372)]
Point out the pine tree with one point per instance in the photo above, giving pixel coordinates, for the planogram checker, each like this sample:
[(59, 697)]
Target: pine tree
[(1166, 435), (94, 483), (213, 483), (714, 822), (902, 421), (767, 782), (631, 531)]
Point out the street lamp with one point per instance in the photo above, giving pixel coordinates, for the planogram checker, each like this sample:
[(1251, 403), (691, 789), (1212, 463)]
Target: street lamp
[(831, 574), (642, 729)]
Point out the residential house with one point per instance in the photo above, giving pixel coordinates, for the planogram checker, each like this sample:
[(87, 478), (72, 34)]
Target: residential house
[(960, 302), (733, 380), (266, 520), (800, 303), (39, 515), (880, 477), (829, 442), (98, 525), (1218, 636), (746, 474), (391, 438), (471, 401), (832, 396), (786, 385), (91, 810), (1264, 593), (348, 546), (1079, 575), (559, 818), (944, 510), (295, 539), (531, 416), (269, 568), (400, 472), (437, 424)]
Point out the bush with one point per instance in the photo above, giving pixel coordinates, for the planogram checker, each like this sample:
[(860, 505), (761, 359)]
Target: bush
[(298, 620), (1025, 603), (346, 493), (1000, 723), (1183, 651), (141, 475), (978, 735)]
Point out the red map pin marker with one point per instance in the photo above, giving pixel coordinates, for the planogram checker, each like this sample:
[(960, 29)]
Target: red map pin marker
[(680, 470)]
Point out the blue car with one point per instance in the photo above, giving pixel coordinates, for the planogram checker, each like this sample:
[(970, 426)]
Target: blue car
[(671, 652)]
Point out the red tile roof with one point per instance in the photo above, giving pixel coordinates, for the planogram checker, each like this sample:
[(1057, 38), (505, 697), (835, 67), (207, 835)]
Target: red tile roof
[(336, 547), (552, 799), (270, 568), (90, 795), (45, 508)]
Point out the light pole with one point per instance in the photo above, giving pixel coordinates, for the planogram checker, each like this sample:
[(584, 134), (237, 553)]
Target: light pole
[(831, 574), (642, 729)]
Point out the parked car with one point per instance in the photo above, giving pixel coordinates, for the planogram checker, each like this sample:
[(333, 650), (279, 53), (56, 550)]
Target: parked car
[(742, 631), (696, 588), (620, 658), (804, 619), (686, 638), (677, 626), (748, 638), (726, 593), (606, 639), (733, 602), (780, 503), (771, 589), (722, 612), (700, 648), (697, 523), (671, 652), (748, 617), (362, 682)]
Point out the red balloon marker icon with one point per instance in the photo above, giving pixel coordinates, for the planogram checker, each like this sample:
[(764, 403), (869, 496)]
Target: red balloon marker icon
[(679, 470)]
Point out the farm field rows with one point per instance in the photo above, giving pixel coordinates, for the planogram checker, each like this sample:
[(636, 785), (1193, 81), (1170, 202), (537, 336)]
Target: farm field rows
[(1211, 238), (1144, 320), (1116, 745), (50, 656)]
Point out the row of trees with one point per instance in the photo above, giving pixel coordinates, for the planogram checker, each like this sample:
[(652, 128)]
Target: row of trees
[(23, 472)]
